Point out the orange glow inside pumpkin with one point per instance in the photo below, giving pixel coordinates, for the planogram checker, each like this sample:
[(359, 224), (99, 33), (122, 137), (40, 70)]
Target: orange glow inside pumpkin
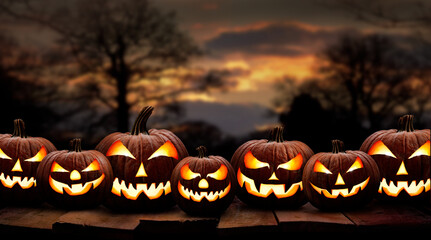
[(118, 148), (168, 149), (251, 162), (423, 150), (379, 148), (78, 188)]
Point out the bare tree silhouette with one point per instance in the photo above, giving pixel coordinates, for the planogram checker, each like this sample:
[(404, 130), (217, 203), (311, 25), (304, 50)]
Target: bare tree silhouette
[(123, 45)]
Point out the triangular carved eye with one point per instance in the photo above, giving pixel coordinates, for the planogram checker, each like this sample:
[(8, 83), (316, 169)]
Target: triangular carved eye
[(319, 167), (168, 150), (251, 162), (293, 164), (220, 174), (356, 165), (39, 156), (3, 155), (94, 166), (118, 148), (424, 150), (188, 174), (379, 148)]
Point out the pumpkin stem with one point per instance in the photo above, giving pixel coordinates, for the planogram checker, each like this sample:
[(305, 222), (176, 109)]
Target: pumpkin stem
[(202, 152), (337, 146), (276, 134), (19, 128), (140, 125), (405, 123), (75, 145)]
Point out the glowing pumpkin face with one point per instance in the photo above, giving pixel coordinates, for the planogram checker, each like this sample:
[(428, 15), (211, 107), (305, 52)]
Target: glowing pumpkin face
[(136, 181), (76, 178), (340, 180), (203, 185), (403, 157), (19, 158), (142, 163), (269, 173)]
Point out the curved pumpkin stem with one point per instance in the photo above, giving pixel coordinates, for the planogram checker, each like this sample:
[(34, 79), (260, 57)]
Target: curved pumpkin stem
[(19, 128), (140, 125), (75, 145), (405, 123), (276, 134), (337, 146), (202, 152)]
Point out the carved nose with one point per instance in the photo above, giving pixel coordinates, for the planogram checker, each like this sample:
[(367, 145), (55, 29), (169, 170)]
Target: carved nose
[(17, 167), (340, 180), (75, 175), (203, 183), (273, 177)]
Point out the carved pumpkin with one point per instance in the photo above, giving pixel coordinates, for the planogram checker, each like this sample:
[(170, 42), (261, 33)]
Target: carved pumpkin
[(20, 155), (75, 178), (403, 157), (269, 172), (142, 162), (340, 180), (203, 185)]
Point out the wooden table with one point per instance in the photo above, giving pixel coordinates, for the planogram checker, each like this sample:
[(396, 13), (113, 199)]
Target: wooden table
[(238, 220)]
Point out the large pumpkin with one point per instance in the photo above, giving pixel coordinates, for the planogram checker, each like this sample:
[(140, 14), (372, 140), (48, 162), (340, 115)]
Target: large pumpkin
[(203, 185), (403, 157), (340, 180), (269, 172), (75, 179), (142, 162), (20, 155)]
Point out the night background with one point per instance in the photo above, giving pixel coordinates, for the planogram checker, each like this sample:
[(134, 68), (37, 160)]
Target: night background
[(219, 73)]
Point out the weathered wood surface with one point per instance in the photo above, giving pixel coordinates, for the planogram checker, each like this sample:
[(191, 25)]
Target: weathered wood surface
[(238, 219)]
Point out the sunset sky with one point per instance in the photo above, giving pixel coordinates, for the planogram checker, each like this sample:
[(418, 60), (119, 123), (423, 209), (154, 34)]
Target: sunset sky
[(263, 40), (260, 41)]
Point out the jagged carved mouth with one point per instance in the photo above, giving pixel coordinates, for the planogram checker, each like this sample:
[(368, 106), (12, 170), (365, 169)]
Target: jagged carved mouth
[(266, 189), (23, 182), (75, 189), (413, 189), (133, 192), (198, 196), (342, 191)]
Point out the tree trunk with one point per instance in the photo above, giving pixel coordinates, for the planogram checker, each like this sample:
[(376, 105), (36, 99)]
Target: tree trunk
[(123, 106)]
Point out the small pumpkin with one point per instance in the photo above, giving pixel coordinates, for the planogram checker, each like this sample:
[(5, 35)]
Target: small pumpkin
[(203, 185), (142, 161), (20, 156), (403, 157), (75, 179), (340, 180), (269, 172)]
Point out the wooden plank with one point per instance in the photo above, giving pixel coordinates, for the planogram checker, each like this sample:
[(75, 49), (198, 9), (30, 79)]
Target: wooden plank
[(100, 222), (390, 217), (310, 219), (29, 220), (173, 222), (241, 219)]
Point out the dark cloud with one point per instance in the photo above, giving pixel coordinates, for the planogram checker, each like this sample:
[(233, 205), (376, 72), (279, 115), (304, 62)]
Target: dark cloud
[(285, 39)]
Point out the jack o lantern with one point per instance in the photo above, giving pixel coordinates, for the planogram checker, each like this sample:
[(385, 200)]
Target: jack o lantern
[(203, 185), (340, 180), (269, 172), (20, 155), (75, 179), (142, 162), (403, 157)]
